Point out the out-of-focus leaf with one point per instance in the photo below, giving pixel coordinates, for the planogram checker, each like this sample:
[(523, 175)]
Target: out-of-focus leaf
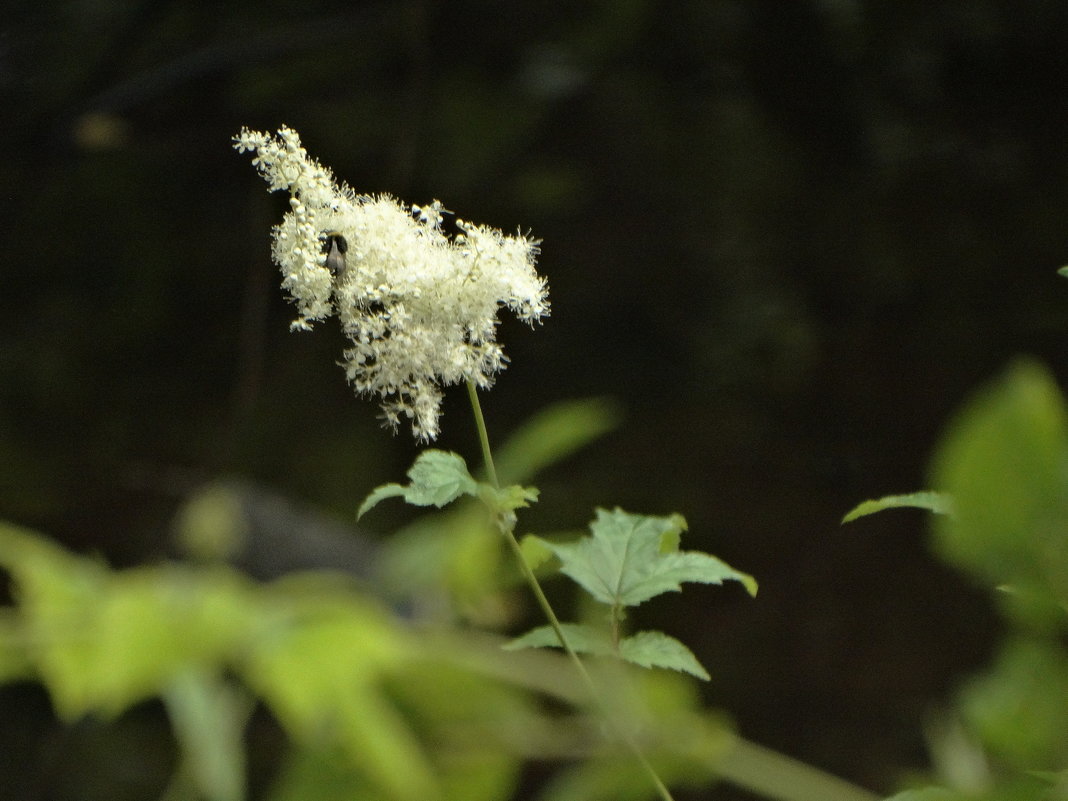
[(1005, 463), (448, 564), (1019, 709), (509, 498), (100, 641), (481, 728), (937, 502), (536, 551), (211, 526), (208, 718), (318, 774), (14, 663), (321, 670), (554, 434), (926, 794)]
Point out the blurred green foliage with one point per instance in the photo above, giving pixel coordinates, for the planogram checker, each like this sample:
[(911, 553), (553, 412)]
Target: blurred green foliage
[(1004, 464), (373, 707)]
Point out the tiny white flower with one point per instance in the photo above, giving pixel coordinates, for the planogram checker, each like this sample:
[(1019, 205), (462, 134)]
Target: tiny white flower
[(419, 307)]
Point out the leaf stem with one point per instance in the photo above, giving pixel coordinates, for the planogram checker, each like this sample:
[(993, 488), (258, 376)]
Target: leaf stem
[(506, 525)]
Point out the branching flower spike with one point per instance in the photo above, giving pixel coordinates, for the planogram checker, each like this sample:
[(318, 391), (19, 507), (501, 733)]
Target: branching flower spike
[(418, 306)]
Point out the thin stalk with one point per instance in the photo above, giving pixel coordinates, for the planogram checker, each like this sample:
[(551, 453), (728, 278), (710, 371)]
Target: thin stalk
[(506, 524), (483, 436)]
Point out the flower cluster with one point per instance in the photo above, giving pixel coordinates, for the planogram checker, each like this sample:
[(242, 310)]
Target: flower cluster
[(419, 307)]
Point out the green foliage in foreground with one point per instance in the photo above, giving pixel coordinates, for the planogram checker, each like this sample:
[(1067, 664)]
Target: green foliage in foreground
[(374, 707)]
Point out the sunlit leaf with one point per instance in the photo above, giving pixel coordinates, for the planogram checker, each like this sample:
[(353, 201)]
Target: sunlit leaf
[(937, 502), (102, 640)]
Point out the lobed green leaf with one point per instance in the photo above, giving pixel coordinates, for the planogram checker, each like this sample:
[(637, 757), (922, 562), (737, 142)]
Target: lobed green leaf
[(630, 558)]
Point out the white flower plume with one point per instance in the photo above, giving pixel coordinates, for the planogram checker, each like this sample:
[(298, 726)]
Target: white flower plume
[(419, 307)]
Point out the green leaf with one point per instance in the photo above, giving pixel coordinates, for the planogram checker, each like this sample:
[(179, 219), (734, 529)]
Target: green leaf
[(937, 502), (209, 717), (14, 660), (473, 721), (1028, 674), (1063, 271), (631, 558), (656, 649), (321, 672), (926, 794), (438, 478), (554, 434), (1004, 460), (507, 499), (536, 551), (322, 775), (582, 639), (646, 648), (101, 640)]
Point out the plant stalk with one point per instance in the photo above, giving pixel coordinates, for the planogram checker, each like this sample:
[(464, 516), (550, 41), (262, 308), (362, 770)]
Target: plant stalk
[(506, 525)]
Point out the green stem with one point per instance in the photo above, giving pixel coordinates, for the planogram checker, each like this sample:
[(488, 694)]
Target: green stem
[(483, 436), (506, 524)]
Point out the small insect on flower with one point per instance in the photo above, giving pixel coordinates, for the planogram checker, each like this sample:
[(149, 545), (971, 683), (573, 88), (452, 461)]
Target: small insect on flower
[(335, 246)]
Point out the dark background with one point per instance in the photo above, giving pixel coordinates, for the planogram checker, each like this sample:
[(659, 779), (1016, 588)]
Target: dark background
[(790, 237)]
